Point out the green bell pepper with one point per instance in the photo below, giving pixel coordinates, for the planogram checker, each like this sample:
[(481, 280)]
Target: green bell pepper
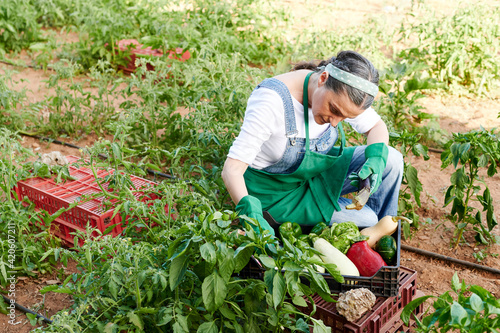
[(289, 230), (318, 228), (303, 242)]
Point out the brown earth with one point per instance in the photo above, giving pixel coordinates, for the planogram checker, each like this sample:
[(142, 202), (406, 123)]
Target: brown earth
[(456, 114)]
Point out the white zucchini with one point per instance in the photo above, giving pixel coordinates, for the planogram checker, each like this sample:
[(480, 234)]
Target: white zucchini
[(319, 268), (331, 255)]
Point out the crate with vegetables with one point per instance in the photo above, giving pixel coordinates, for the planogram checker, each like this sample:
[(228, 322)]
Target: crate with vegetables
[(366, 258)]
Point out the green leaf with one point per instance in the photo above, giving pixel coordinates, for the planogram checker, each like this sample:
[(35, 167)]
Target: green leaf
[(292, 266), (3, 306), (411, 174), (242, 256), (456, 154), (226, 267), (420, 150), (334, 272), (113, 288), (319, 327), (135, 319), (164, 316), (208, 327), (32, 318), (492, 169), (116, 211), (207, 252), (299, 300), (56, 289), (455, 283), (481, 292), (464, 148), (178, 268), (483, 161), (476, 303), (458, 314), (117, 153), (267, 261), (302, 326), (110, 328), (214, 291), (408, 310), (269, 279), (279, 289), (3, 270), (227, 313), (153, 167)]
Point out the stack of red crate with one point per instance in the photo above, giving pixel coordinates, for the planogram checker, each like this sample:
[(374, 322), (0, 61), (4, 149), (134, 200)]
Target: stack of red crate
[(50, 196), (385, 316)]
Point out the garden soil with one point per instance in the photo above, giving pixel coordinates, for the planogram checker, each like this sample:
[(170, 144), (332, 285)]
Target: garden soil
[(457, 114)]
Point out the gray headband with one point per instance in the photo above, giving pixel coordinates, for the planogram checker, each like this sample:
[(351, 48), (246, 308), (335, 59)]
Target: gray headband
[(352, 80)]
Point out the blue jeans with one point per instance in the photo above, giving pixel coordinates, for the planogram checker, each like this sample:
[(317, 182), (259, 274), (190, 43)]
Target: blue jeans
[(381, 203)]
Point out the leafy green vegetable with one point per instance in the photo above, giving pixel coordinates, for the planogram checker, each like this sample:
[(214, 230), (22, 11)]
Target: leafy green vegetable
[(342, 235)]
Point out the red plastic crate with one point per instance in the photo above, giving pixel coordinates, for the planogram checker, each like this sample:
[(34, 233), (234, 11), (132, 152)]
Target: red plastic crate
[(138, 50), (50, 196), (385, 315)]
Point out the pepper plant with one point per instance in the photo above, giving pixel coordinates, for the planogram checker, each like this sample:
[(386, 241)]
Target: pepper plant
[(472, 309), (402, 85), (475, 151), (192, 279), (409, 198)]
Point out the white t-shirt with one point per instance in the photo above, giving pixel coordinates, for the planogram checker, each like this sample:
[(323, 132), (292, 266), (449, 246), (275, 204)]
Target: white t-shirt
[(262, 139)]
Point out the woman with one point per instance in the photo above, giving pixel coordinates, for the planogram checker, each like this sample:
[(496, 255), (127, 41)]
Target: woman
[(285, 160)]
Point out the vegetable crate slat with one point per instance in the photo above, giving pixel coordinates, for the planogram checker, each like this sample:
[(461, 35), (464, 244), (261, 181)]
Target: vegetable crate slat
[(50, 196), (384, 316)]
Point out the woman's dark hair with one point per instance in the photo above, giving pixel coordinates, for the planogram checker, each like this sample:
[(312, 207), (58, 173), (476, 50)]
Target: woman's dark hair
[(353, 63)]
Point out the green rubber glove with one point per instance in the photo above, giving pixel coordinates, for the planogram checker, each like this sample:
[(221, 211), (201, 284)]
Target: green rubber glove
[(376, 160), (252, 207)]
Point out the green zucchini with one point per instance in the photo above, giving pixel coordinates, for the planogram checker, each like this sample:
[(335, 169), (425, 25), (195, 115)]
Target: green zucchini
[(387, 249)]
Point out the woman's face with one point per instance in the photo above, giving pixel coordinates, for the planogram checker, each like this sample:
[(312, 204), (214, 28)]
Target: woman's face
[(330, 107)]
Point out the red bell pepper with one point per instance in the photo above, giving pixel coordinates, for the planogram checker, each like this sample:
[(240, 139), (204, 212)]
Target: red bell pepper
[(366, 260)]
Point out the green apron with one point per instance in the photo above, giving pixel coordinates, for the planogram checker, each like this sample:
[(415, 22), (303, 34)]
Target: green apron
[(310, 194)]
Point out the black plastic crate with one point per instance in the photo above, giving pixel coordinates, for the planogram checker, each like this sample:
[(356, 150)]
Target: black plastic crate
[(384, 283)]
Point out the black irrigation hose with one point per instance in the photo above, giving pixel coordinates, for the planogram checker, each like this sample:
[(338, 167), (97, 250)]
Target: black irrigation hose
[(153, 172), (11, 63), (26, 310), (450, 259), (435, 150)]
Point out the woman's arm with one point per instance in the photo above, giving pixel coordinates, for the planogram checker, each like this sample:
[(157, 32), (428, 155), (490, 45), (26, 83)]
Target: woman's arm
[(232, 175), (378, 133)]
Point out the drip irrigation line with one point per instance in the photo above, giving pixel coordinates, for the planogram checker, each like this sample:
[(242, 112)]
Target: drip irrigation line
[(435, 150), (26, 310), (450, 259), (103, 156), (12, 63)]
